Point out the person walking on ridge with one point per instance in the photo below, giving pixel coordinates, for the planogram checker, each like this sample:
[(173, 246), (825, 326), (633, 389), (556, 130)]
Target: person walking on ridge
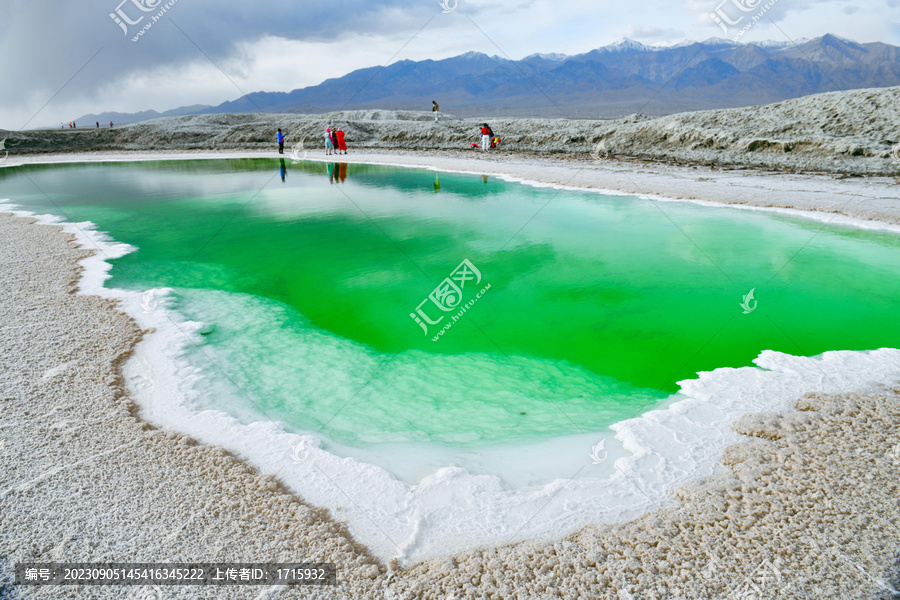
[(280, 142)]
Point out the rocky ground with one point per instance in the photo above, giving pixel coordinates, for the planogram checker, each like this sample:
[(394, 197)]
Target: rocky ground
[(847, 133)]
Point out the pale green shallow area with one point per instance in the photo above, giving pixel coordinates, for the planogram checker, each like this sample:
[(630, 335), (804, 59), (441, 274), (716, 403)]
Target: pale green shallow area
[(597, 304)]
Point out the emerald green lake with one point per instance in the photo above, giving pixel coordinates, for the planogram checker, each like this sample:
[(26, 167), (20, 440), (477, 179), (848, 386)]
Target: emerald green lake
[(597, 304)]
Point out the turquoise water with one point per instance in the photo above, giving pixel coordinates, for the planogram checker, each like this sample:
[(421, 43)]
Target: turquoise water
[(591, 306)]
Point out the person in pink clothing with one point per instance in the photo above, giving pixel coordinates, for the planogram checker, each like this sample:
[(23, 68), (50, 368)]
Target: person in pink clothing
[(342, 145), (329, 142)]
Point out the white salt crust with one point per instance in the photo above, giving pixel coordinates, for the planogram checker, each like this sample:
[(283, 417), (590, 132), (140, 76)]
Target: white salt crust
[(453, 510)]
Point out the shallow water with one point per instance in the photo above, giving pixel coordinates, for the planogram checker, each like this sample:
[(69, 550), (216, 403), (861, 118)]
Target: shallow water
[(596, 306)]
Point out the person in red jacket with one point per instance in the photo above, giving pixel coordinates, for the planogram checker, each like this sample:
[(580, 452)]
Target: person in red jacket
[(485, 136), (342, 145)]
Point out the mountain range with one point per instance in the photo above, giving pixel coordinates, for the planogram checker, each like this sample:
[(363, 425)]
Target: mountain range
[(609, 82)]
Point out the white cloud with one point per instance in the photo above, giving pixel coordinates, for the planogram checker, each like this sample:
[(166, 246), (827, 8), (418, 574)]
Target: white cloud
[(642, 32), (283, 45)]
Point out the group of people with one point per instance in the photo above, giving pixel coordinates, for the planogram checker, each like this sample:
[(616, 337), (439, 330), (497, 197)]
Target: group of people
[(72, 125), (488, 138), (335, 142)]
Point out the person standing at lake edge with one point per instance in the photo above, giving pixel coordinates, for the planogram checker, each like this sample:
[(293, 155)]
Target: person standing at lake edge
[(329, 142), (334, 139), (341, 144), (280, 142), (485, 136)]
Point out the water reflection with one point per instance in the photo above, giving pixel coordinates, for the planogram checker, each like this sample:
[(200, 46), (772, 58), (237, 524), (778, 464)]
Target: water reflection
[(337, 172), (191, 175), (283, 170)]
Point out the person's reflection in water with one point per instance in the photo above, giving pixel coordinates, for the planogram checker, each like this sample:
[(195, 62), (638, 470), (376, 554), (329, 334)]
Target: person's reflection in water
[(342, 172), (283, 170), (484, 178), (437, 184), (330, 169)]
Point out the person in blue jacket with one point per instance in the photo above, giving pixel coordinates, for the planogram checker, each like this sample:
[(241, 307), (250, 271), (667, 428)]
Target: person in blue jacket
[(280, 142)]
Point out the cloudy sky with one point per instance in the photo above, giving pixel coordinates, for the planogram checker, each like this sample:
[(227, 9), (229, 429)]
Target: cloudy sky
[(60, 60)]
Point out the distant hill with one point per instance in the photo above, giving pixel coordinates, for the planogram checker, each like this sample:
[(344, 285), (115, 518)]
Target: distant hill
[(610, 82), (125, 118), (844, 133)]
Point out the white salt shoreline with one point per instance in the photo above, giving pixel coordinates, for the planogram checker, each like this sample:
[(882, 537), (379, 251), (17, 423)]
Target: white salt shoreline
[(782, 403), (407, 527)]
